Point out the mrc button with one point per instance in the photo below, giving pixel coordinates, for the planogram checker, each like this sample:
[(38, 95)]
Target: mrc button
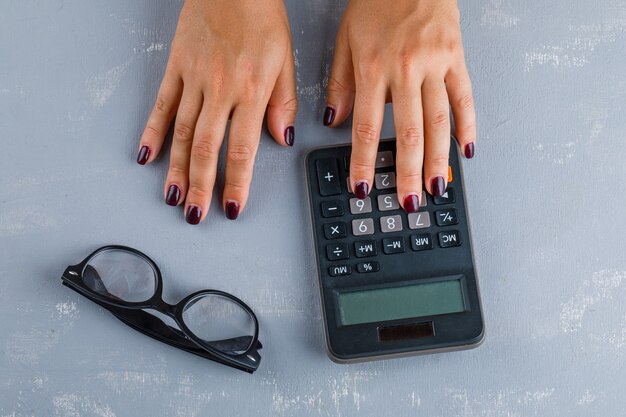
[(449, 239)]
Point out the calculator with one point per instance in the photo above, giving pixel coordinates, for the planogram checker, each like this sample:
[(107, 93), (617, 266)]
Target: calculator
[(392, 284)]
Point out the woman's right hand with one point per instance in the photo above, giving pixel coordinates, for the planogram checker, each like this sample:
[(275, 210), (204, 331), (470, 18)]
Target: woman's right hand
[(229, 59)]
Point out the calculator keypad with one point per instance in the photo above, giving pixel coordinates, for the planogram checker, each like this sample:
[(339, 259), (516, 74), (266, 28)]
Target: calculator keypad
[(386, 219)]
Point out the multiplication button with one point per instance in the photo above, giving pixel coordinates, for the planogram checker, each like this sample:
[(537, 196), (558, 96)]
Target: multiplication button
[(335, 230), (365, 267), (449, 239)]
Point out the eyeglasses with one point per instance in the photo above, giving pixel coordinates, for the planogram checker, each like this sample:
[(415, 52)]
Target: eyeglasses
[(210, 323)]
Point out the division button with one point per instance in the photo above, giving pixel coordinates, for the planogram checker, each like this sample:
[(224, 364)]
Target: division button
[(423, 241), (393, 245), (446, 198), (328, 176), (339, 270), (449, 239), (446, 217), (332, 208), (365, 267), (365, 248), (335, 230), (337, 252)]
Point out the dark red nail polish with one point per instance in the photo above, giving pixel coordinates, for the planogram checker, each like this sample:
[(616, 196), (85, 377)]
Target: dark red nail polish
[(194, 213), (232, 210), (438, 186), (329, 116), (361, 190), (173, 195), (469, 150), (143, 155), (290, 135), (411, 203)]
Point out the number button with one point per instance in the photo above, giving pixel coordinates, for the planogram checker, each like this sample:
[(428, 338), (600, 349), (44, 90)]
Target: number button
[(384, 159), (421, 242), (362, 227), (335, 230), (446, 217), (446, 198), (337, 252), (328, 176), (332, 208), (385, 181), (390, 224), (365, 267), (360, 206), (365, 248), (419, 220), (388, 202), (449, 239), (423, 200), (393, 245)]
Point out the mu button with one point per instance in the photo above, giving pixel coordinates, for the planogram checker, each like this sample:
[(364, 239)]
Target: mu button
[(339, 270)]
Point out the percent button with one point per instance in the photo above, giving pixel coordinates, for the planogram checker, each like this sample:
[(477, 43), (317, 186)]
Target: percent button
[(365, 267)]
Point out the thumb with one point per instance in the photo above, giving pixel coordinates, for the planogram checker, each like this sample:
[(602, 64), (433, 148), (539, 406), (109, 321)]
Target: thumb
[(283, 105), (341, 85)]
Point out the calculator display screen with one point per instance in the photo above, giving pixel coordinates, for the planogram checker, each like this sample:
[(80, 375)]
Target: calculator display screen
[(368, 306)]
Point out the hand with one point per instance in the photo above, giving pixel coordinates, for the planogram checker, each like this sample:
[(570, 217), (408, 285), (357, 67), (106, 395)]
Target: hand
[(229, 59), (408, 52)]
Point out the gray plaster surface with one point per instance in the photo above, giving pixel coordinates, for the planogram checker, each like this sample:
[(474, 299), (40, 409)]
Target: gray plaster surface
[(547, 193)]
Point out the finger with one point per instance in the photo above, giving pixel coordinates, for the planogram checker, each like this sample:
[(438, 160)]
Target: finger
[(205, 149), (437, 135), (178, 174), (459, 87), (341, 84), (243, 142), (369, 108), (283, 105), (160, 118), (407, 113)]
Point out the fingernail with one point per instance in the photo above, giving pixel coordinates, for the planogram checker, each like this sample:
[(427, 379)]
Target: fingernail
[(361, 190), (173, 195), (144, 154), (411, 203), (232, 210), (438, 186), (329, 116), (469, 150), (193, 214), (290, 135)]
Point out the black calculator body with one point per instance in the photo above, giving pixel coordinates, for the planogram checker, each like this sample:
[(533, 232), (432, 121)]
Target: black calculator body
[(392, 284)]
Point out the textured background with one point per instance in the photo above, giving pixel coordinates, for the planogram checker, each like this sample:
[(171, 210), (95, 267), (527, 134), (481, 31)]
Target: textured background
[(547, 193)]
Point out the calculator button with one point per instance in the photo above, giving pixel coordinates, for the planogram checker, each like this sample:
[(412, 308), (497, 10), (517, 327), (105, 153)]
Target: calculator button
[(384, 159), (423, 200), (365, 267), (332, 208), (388, 202), (420, 220), (449, 239), (385, 181), (348, 186), (358, 206), (339, 270), (393, 245), (346, 163), (389, 224), (337, 252), (446, 217), (335, 230), (446, 198), (361, 227), (328, 176), (449, 174), (365, 248), (421, 242)]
